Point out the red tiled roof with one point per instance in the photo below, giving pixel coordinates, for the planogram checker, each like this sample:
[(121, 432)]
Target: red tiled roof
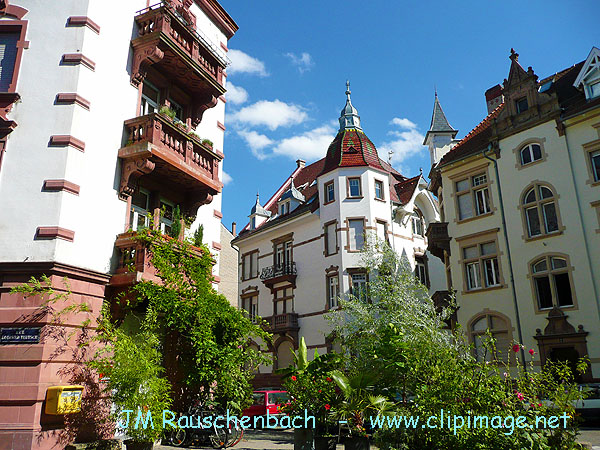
[(404, 189), (351, 148), (475, 141)]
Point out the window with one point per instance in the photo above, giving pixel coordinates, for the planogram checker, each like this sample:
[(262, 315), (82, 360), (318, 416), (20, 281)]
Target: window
[(250, 265), (552, 285), (595, 160), (8, 57), (150, 99), (481, 266), (283, 253), (522, 105), (540, 211), (354, 189), (167, 210), (472, 196), (331, 244), (250, 305), (499, 330), (329, 192), (595, 90), (333, 291), (284, 301), (379, 190), (359, 286), (356, 234), (531, 153), (140, 207), (382, 231), (421, 270), (417, 223), (177, 109), (284, 208)]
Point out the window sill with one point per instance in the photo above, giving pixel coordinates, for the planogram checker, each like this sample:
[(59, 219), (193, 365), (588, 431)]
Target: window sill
[(329, 203), (380, 199), (469, 219), (562, 308), (487, 289), (354, 198), (544, 236), (594, 183)]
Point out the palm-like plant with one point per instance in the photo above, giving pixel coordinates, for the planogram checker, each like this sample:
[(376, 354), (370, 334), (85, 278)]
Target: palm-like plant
[(359, 402)]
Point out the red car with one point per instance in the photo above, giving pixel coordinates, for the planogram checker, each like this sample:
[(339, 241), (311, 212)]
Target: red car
[(266, 400)]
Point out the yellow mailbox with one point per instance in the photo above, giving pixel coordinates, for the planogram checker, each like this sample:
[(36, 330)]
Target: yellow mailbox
[(63, 399)]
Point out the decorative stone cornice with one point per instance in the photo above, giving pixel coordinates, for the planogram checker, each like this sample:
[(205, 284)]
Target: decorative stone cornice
[(132, 170)]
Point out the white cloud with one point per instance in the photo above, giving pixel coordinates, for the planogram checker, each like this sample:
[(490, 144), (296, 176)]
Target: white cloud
[(407, 143), (309, 146), (403, 123), (243, 63), (226, 178), (272, 114), (236, 95), (304, 62), (257, 142)]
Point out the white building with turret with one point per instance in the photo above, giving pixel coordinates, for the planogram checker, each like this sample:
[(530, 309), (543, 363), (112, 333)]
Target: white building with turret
[(301, 250)]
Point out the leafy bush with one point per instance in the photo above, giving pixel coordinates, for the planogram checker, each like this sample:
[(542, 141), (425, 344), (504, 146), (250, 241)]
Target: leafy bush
[(207, 142), (198, 236), (166, 111), (425, 369)]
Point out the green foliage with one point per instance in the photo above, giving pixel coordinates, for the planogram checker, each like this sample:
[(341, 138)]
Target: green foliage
[(176, 225), (207, 142), (131, 366), (311, 387), (209, 335), (166, 111), (425, 368), (198, 236)]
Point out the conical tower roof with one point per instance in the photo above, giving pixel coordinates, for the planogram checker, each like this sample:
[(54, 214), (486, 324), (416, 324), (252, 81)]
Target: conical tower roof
[(439, 123)]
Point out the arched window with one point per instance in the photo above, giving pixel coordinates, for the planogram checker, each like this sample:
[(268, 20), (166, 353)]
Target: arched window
[(531, 153), (418, 224), (552, 284), (540, 211), (285, 357), (499, 330)]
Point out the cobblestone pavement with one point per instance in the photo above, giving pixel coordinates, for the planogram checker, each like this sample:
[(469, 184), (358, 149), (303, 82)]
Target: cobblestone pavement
[(590, 437)]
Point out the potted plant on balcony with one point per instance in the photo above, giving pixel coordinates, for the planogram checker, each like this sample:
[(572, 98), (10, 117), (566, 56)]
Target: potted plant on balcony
[(208, 143), (167, 112), (313, 391)]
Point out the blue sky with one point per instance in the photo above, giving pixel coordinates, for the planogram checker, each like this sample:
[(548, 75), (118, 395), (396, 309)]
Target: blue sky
[(290, 62)]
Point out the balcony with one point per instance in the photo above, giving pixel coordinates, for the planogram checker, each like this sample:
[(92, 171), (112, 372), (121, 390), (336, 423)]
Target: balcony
[(134, 262), (279, 273), (159, 146), (438, 240), (169, 43), (281, 323), (441, 299)]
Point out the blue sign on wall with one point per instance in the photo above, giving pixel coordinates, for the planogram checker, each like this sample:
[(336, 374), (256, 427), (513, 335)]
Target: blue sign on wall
[(20, 335)]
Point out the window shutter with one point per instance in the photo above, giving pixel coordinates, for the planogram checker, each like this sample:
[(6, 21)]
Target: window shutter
[(8, 55)]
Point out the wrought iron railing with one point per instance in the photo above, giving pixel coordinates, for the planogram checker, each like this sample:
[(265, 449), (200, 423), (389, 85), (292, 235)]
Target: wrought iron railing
[(278, 270)]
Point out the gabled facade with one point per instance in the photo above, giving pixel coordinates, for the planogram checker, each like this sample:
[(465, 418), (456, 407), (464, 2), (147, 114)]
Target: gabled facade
[(295, 263), (111, 111), (520, 209)]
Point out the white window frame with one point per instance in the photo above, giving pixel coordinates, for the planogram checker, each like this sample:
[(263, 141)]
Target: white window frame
[(137, 211), (333, 290)]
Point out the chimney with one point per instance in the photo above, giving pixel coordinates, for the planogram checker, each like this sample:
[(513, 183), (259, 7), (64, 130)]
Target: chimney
[(234, 229), (494, 97), (301, 163)]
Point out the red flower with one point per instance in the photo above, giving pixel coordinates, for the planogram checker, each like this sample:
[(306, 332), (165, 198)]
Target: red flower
[(328, 379), (101, 375), (531, 352), (294, 378), (327, 406), (516, 348), (319, 390)]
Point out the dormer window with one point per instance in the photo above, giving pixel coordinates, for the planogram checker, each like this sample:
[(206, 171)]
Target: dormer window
[(284, 208), (522, 105), (595, 89)]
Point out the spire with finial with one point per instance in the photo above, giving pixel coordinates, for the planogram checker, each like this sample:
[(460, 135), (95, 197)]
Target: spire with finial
[(349, 116)]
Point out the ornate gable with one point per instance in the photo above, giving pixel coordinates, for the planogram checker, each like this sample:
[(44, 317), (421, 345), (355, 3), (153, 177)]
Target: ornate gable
[(589, 76), (525, 106)]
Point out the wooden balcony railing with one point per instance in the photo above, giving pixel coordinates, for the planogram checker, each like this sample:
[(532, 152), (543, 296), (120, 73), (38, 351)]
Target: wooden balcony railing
[(283, 322), (156, 144)]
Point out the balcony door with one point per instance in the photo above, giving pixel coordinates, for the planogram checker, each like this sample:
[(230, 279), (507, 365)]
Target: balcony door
[(283, 301), (166, 216), (140, 204), (149, 102), (283, 254)]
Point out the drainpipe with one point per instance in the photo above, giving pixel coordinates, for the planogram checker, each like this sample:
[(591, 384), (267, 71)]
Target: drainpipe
[(585, 235), (510, 267)]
